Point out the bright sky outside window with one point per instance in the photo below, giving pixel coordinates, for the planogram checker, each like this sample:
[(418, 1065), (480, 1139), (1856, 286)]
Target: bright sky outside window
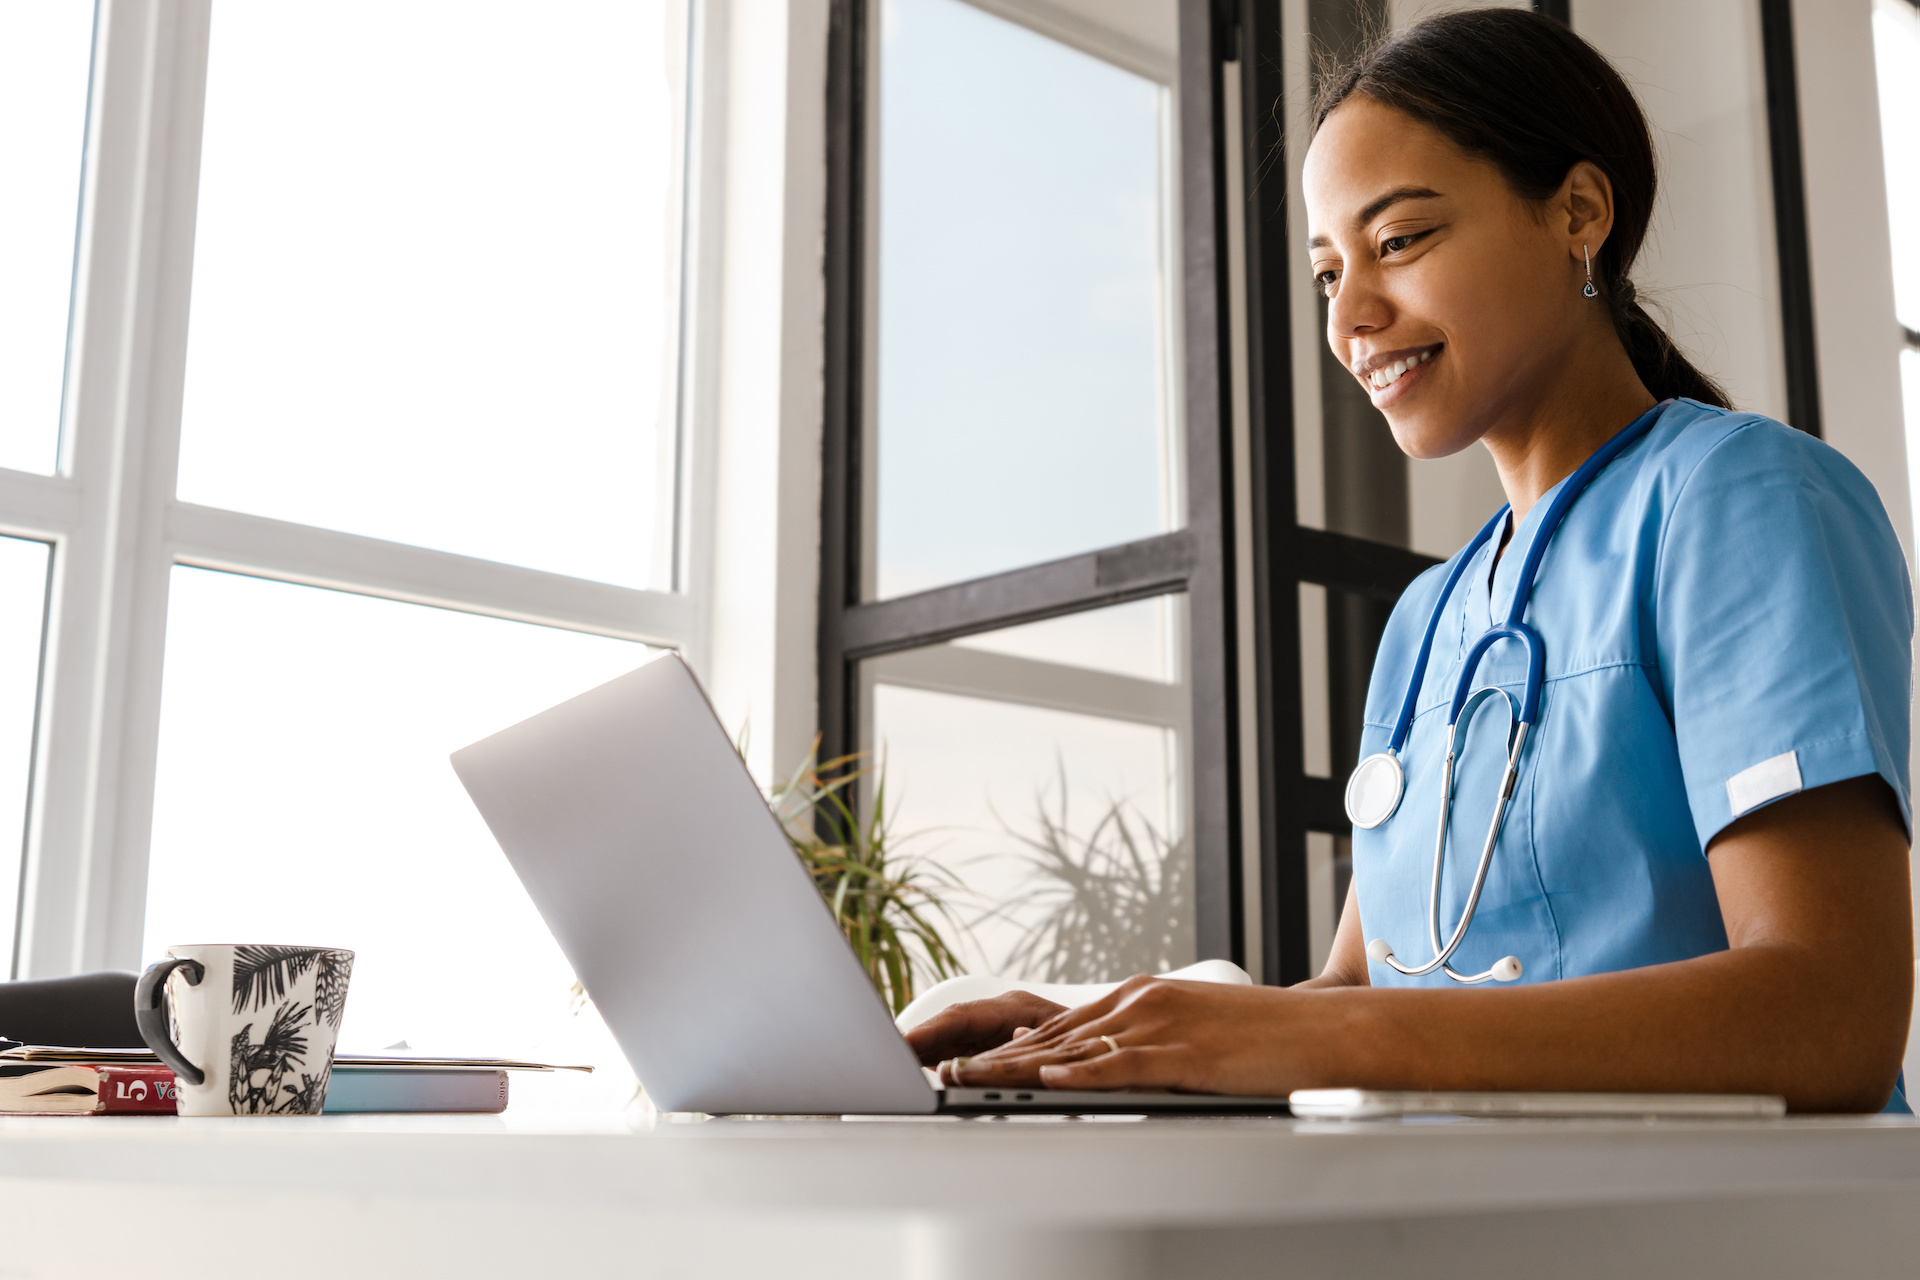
[(23, 604), (1023, 392), (46, 49), (304, 795), (435, 285)]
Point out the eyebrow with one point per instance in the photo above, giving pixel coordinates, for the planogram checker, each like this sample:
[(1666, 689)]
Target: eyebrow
[(1378, 206)]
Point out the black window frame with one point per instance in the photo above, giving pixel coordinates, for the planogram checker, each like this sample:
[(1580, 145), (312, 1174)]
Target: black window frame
[(1196, 560)]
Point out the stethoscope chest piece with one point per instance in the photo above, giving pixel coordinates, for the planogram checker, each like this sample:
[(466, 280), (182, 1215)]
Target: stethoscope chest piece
[(1374, 790)]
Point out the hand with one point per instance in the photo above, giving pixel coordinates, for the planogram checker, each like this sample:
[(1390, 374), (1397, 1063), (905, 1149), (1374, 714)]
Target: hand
[(1190, 1037), (975, 1026)]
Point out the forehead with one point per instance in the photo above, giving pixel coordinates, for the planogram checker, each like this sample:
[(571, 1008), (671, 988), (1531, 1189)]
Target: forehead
[(1364, 150)]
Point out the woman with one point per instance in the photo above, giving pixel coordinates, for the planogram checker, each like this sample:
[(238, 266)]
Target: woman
[(1702, 875)]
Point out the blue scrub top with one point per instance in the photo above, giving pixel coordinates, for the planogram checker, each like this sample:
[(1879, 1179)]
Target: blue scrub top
[(1727, 619)]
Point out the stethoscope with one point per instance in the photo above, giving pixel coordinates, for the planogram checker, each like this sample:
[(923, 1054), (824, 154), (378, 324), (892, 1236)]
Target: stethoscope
[(1378, 782)]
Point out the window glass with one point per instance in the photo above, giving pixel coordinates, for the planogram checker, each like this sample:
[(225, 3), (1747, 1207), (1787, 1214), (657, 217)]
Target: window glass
[(434, 287), (1053, 794), (46, 51), (1025, 397), (23, 610), (304, 795)]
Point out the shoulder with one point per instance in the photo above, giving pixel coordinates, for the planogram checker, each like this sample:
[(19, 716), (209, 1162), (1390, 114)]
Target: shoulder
[(1751, 511), (1710, 476), (1698, 448)]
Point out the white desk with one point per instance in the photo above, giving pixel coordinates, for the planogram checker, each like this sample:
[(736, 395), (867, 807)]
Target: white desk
[(350, 1197)]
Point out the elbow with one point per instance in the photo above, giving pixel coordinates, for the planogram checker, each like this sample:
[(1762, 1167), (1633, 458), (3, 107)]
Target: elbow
[(1855, 1071)]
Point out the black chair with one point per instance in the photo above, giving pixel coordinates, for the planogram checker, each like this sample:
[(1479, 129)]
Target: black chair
[(94, 1010)]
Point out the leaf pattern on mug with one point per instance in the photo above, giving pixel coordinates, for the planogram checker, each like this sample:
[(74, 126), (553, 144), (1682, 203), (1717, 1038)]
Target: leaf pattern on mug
[(261, 974), (258, 1070), (330, 985)]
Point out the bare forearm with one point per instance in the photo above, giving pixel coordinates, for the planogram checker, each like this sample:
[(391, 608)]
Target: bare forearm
[(1762, 1019)]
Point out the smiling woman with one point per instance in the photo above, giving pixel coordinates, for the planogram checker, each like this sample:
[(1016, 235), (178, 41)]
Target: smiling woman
[(1685, 859)]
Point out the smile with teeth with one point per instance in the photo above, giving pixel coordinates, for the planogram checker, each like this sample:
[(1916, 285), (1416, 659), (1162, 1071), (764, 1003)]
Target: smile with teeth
[(1387, 375)]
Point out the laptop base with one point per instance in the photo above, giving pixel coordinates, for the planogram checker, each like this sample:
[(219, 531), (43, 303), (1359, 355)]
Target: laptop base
[(1089, 1102)]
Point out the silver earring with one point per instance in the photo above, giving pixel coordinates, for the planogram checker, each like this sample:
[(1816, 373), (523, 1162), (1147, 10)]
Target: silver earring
[(1589, 291)]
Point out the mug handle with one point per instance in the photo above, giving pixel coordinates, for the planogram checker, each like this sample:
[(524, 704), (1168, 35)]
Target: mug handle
[(150, 1012)]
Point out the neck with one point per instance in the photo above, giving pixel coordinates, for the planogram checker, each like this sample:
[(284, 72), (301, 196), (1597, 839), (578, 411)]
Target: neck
[(1538, 444)]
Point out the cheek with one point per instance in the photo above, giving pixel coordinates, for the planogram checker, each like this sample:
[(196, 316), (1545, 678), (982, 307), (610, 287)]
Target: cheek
[(1494, 316)]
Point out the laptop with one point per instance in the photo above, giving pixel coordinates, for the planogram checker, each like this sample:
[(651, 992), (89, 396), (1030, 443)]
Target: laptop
[(672, 890)]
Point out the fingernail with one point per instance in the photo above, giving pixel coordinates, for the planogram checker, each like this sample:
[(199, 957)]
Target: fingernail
[(1050, 1074)]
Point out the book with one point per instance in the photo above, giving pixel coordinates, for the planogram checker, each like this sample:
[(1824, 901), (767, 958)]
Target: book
[(115, 1081), (47, 1053), (87, 1089), (363, 1090)]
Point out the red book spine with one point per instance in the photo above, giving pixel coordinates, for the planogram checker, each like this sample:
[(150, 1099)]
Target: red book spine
[(146, 1091)]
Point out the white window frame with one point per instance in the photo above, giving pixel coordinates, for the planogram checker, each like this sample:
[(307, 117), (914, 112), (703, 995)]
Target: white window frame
[(117, 529)]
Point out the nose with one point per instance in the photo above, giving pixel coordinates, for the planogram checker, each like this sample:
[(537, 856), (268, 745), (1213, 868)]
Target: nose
[(1356, 308)]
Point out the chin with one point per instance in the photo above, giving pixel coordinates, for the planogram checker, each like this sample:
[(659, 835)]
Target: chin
[(1422, 437)]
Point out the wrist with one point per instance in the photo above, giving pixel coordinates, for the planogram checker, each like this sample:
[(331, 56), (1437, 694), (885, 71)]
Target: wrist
[(1351, 1043)]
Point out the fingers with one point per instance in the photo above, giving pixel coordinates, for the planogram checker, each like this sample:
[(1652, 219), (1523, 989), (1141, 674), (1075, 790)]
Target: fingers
[(970, 1027), (976, 1026), (1076, 1038), (1145, 1068), (1006, 1068), (1017, 1064)]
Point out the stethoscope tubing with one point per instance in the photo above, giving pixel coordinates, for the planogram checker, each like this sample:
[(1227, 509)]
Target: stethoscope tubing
[(1466, 699)]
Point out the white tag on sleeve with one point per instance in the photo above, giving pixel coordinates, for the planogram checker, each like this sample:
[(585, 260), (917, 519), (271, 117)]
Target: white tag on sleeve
[(1768, 780)]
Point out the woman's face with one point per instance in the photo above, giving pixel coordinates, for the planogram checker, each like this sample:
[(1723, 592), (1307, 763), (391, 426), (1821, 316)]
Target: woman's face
[(1435, 267)]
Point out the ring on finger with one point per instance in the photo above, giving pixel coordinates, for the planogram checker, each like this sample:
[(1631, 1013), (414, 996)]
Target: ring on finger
[(1109, 1042), (953, 1068)]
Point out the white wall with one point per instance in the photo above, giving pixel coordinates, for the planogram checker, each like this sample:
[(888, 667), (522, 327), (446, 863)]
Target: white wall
[(1710, 262), (1854, 323)]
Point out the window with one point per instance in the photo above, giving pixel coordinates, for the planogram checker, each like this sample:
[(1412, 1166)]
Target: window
[(44, 56), (372, 444), (1024, 403), (1045, 767), (1024, 596), (1896, 43)]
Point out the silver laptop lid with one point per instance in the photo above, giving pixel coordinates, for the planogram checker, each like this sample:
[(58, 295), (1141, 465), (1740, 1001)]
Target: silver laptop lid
[(672, 891)]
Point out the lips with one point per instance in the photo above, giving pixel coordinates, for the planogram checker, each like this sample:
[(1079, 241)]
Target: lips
[(1381, 371)]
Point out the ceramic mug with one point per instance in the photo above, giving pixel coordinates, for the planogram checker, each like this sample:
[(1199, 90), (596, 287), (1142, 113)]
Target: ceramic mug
[(247, 1030)]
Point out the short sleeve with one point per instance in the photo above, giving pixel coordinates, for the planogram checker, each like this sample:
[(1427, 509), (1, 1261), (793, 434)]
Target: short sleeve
[(1784, 623)]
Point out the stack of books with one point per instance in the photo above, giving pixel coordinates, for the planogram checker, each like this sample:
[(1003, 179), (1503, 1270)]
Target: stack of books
[(53, 1080)]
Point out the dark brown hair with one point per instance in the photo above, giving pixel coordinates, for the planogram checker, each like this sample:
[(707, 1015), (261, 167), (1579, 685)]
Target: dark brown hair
[(1527, 95)]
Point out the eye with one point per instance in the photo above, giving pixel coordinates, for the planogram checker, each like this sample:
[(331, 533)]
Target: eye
[(1325, 281), (1396, 243)]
